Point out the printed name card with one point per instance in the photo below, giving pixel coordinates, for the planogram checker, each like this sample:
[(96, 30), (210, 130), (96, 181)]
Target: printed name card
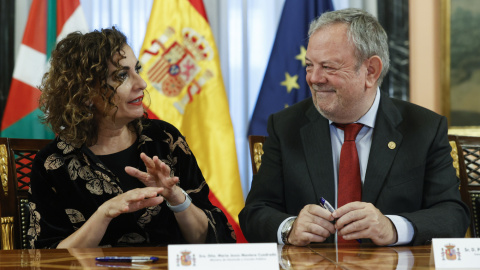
[(223, 256), (456, 253)]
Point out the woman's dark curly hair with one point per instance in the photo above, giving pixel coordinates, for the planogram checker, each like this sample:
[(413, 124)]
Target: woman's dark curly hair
[(78, 75)]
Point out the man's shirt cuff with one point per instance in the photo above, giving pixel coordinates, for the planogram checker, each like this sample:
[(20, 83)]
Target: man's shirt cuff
[(279, 231), (404, 229)]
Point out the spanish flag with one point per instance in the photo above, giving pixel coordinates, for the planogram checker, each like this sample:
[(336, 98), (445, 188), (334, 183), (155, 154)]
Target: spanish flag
[(182, 69), (48, 21)]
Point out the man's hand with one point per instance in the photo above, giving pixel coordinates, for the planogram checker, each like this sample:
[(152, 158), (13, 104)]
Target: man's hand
[(358, 220), (313, 224)]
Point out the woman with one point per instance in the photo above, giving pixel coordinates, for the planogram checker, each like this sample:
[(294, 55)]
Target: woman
[(112, 177)]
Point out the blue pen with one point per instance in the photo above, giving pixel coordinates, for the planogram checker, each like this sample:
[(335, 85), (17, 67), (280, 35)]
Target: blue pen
[(132, 259), (325, 204)]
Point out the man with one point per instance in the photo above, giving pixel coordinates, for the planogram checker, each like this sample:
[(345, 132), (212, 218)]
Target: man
[(408, 192)]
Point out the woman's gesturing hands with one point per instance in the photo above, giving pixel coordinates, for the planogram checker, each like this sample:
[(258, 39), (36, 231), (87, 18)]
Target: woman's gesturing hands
[(158, 175), (131, 201)]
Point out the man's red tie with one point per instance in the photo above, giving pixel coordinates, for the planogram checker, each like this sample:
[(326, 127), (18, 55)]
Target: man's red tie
[(349, 181)]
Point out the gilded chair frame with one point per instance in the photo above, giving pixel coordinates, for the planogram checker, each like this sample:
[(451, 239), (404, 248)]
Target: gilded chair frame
[(16, 159), (467, 164), (255, 143)]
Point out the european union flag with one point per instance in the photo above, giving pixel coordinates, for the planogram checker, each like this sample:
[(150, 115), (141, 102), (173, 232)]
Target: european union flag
[(284, 82)]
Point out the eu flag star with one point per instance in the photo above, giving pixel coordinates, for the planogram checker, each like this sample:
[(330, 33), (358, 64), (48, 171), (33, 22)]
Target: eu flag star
[(301, 56), (290, 82)]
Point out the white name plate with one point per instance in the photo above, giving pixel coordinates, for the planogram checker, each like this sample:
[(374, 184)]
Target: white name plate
[(223, 256), (456, 253)]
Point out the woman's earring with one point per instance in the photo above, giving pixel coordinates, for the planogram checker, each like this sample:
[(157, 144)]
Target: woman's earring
[(90, 108)]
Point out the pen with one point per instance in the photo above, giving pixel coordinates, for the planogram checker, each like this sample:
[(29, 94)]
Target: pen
[(127, 265), (132, 259), (325, 204)]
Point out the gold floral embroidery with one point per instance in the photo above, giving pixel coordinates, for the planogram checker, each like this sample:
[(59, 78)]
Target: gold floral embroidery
[(171, 162), (98, 187), (75, 216), (211, 223), (86, 173), (101, 166), (95, 187), (53, 162), (86, 159), (103, 176), (111, 188), (197, 189), (73, 168), (148, 215), (34, 229), (143, 139), (180, 143), (67, 148)]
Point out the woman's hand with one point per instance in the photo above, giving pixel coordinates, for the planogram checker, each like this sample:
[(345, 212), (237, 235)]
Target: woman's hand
[(192, 221), (158, 175), (131, 201), (92, 232)]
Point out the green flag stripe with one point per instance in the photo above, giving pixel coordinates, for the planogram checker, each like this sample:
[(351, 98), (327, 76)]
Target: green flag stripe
[(29, 127), (51, 26)]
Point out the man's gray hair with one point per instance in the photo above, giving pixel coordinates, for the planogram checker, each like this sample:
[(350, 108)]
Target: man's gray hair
[(366, 33)]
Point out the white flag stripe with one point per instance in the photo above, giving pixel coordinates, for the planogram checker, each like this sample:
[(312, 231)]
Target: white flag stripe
[(30, 66), (76, 22)]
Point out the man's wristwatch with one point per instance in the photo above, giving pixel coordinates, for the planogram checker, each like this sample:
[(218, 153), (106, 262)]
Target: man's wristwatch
[(287, 228), (181, 207)]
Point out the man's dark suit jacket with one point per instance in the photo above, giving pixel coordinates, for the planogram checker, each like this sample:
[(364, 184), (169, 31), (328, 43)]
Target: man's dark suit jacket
[(415, 179)]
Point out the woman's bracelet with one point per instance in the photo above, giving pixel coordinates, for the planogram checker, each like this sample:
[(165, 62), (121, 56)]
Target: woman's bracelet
[(181, 207)]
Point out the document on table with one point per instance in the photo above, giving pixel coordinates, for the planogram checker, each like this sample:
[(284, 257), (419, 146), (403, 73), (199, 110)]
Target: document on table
[(223, 256), (456, 253)]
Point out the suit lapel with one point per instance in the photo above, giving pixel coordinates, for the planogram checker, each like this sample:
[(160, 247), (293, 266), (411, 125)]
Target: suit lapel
[(318, 154), (382, 151)]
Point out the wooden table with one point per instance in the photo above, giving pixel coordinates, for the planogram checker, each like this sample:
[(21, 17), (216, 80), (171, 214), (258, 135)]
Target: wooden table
[(317, 256), (355, 257)]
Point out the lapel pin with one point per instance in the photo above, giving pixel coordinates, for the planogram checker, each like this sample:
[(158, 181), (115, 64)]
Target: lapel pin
[(392, 145)]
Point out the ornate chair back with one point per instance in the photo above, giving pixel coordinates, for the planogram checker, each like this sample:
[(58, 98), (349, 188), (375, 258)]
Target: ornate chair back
[(468, 170), (255, 143), (16, 159)]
